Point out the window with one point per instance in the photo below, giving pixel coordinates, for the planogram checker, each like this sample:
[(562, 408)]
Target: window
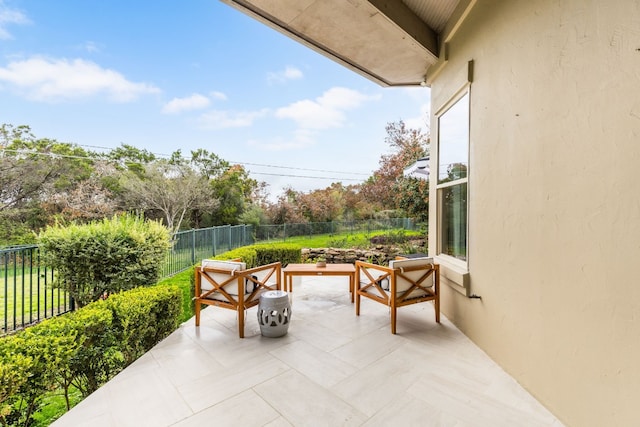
[(453, 162)]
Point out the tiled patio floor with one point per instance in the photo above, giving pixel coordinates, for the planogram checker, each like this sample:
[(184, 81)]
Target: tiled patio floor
[(331, 369)]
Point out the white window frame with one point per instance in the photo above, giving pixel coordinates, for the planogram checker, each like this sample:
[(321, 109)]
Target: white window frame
[(449, 259)]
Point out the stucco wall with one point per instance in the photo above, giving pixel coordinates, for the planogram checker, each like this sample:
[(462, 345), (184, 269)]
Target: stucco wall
[(554, 208)]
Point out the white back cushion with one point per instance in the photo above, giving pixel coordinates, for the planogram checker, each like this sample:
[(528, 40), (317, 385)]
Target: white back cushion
[(403, 284), (219, 277), (376, 275)]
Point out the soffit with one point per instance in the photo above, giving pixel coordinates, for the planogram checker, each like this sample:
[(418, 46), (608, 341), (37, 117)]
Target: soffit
[(392, 42)]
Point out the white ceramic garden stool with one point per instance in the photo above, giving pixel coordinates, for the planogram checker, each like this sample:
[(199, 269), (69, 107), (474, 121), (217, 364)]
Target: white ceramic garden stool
[(274, 313)]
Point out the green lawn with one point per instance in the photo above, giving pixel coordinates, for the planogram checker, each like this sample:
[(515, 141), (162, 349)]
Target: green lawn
[(347, 240)]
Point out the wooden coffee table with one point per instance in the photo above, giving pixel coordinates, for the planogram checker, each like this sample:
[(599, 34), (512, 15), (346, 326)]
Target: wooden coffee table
[(292, 270)]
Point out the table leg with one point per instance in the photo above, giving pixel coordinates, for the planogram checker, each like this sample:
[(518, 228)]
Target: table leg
[(352, 285)]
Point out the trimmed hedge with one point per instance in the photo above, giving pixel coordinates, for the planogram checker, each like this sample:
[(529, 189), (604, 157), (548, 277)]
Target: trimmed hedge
[(256, 255), (142, 317), (83, 349)]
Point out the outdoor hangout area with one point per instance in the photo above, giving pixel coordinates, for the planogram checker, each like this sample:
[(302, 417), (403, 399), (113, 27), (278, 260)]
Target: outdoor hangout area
[(265, 247), (331, 368)]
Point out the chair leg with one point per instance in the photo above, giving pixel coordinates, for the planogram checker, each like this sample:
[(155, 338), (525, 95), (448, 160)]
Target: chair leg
[(436, 304), (241, 322), (357, 304), (393, 320), (197, 311)]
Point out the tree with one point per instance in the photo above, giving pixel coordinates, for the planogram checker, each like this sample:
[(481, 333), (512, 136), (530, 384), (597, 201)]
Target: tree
[(286, 209), (387, 188), (169, 188), (32, 172), (233, 189), (128, 157), (89, 199), (413, 197)]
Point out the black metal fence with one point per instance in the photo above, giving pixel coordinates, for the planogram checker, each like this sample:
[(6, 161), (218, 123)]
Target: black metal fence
[(192, 246), (27, 295)]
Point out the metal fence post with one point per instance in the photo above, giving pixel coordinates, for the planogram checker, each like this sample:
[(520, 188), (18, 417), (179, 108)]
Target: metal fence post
[(213, 236), (193, 246)]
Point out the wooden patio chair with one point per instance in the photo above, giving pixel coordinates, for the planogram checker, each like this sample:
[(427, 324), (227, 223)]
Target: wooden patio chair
[(230, 285), (404, 282)]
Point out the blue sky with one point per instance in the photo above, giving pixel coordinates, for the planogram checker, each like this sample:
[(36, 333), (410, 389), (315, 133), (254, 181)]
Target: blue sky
[(167, 75)]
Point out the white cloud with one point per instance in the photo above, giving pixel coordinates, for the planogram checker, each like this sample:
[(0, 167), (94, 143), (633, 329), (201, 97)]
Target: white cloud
[(302, 138), (193, 102), (218, 95), (91, 47), (10, 16), (217, 119), (326, 111), (60, 79), (289, 73)]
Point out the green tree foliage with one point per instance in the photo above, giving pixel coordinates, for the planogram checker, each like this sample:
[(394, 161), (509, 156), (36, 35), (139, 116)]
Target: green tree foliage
[(128, 157), (230, 185), (413, 197), (233, 189), (253, 215), (407, 146), (33, 172), (108, 256)]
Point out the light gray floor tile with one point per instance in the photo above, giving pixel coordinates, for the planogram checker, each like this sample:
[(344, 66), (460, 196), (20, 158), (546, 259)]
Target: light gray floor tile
[(245, 409), (319, 366), (333, 368), (304, 403)]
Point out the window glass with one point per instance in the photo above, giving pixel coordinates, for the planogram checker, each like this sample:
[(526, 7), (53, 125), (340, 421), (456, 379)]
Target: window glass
[(453, 152), (454, 221)]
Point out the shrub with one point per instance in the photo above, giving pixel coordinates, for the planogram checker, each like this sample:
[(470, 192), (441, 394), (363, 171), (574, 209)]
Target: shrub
[(97, 357), (183, 281), (108, 256), (82, 349), (74, 349), (142, 317), (256, 255), (37, 354), (14, 374), (285, 253)]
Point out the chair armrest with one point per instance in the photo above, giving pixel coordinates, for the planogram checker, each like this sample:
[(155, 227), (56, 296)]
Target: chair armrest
[(362, 264)]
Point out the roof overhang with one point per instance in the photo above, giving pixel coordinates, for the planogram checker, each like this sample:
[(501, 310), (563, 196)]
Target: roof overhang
[(392, 42), (419, 169)]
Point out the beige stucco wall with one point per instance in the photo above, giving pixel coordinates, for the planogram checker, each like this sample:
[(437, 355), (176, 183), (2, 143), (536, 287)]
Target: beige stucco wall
[(554, 208)]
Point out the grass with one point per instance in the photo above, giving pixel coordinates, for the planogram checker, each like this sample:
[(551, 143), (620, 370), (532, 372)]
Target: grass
[(348, 240), (54, 406), (183, 281)]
